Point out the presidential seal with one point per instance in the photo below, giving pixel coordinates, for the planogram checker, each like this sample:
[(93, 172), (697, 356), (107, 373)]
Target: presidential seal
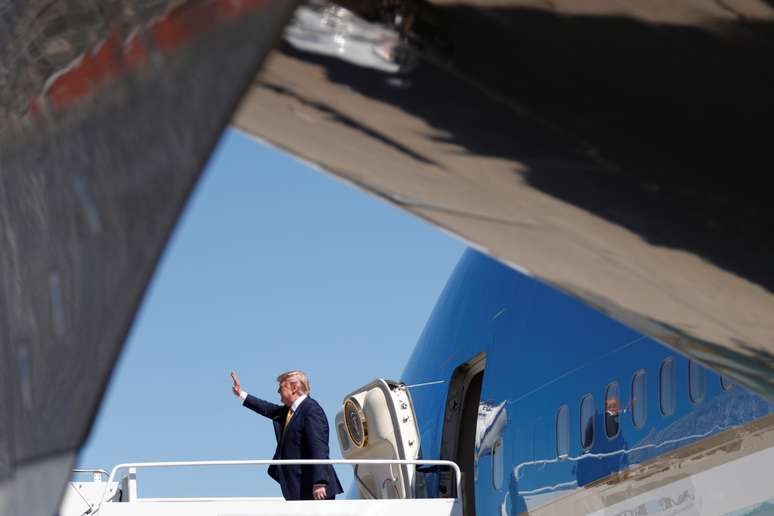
[(355, 421)]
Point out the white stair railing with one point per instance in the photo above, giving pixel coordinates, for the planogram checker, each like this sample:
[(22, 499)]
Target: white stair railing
[(134, 466), (96, 474)]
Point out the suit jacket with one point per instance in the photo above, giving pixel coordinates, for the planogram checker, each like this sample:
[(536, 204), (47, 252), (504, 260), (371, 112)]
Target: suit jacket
[(306, 437)]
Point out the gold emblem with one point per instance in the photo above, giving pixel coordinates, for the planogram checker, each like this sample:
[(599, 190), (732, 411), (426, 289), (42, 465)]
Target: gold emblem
[(355, 422)]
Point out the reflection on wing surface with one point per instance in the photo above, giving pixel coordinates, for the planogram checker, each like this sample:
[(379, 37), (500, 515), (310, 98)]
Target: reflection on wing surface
[(614, 152)]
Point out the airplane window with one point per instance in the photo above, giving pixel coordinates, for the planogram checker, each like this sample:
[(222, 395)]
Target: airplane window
[(667, 387), (726, 383), (697, 381), (497, 463), (563, 432), (587, 421), (612, 410), (639, 400)]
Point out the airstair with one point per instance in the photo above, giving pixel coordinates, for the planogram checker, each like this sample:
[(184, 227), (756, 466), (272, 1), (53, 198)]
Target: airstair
[(378, 436), (115, 494)]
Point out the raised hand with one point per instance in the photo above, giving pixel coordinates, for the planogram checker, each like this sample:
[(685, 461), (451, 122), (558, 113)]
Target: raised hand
[(236, 388)]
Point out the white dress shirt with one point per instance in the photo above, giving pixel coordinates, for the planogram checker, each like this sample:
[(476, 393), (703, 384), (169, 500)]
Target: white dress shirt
[(296, 403)]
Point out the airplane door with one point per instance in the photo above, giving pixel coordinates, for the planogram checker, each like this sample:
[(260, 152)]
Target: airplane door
[(377, 421), (496, 439)]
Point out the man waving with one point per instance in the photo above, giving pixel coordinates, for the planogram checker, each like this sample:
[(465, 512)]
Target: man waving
[(302, 432)]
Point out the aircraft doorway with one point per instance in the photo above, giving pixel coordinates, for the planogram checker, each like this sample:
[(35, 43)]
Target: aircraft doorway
[(459, 433)]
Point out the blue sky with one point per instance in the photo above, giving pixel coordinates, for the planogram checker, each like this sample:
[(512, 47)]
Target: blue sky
[(273, 266)]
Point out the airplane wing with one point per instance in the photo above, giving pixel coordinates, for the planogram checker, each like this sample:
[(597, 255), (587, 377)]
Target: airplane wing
[(618, 153), (109, 111)]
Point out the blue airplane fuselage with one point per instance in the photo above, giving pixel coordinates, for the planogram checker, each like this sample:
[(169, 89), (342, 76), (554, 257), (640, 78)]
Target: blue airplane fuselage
[(573, 402)]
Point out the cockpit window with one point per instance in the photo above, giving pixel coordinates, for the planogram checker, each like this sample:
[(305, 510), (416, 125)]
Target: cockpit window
[(639, 400), (587, 421), (612, 410), (697, 381), (563, 432), (667, 387)]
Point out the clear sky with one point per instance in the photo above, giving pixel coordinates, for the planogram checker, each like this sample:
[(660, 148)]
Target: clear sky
[(273, 266)]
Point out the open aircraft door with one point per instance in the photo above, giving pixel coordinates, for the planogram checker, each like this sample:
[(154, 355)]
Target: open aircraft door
[(377, 421)]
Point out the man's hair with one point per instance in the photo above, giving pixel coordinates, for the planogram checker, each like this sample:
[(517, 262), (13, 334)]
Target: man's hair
[(296, 378)]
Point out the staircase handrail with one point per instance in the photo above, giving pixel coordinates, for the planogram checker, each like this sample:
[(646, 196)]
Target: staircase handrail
[(279, 462)]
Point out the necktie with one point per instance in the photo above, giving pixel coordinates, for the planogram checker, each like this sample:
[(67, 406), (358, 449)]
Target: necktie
[(287, 417)]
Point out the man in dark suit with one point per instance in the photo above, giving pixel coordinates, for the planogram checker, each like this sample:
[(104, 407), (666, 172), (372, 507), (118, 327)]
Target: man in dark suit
[(302, 432)]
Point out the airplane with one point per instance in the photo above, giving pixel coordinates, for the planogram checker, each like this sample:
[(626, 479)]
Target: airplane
[(550, 407), (617, 153)]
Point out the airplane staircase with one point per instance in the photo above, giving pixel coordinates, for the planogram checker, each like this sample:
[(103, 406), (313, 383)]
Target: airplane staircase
[(113, 497)]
